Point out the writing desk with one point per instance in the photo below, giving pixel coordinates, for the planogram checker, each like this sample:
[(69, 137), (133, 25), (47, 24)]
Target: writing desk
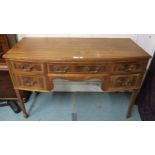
[(118, 63)]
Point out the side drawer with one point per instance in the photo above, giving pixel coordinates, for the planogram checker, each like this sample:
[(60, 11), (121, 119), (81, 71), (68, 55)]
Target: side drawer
[(27, 67), (30, 82), (128, 67), (124, 81)]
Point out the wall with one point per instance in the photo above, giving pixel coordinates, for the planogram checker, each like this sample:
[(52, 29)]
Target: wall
[(146, 41), (133, 36)]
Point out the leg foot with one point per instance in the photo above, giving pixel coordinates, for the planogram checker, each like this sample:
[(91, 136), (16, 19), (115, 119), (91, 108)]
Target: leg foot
[(26, 115), (128, 115), (132, 102), (21, 103)]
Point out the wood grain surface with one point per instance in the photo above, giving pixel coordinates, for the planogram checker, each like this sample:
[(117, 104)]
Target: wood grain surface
[(76, 49)]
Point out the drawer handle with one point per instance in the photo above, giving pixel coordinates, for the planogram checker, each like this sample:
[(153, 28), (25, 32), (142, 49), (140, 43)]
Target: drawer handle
[(62, 71), (21, 66), (128, 68), (95, 71), (29, 69), (28, 83), (124, 83)]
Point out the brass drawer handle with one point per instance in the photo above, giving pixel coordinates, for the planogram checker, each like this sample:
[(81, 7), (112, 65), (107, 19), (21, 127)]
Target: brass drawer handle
[(29, 69), (131, 67), (28, 83), (95, 71), (21, 66), (62, 71), (124, 83), (127, 68)]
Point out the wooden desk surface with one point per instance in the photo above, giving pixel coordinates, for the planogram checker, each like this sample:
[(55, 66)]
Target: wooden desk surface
[(76, 49)]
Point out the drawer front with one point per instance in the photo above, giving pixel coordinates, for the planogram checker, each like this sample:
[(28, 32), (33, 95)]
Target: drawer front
[(28, 67), (89, 69), (128, 67), (124, 81), (30, 82)]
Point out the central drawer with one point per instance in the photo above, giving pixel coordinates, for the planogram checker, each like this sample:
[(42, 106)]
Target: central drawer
[(75, 68)]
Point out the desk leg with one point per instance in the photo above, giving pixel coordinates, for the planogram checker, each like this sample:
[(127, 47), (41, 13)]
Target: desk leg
[(21, 103), (132, 102)]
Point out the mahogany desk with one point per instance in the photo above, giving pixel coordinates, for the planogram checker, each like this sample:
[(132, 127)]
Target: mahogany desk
[(118, 63)]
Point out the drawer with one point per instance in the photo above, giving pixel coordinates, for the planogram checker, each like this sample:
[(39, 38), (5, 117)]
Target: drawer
[(28, 67), (30, 82), (124, 81), (128, 67), (89, 69)]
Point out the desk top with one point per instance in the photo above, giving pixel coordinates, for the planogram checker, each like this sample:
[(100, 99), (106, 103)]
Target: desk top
[(76, 49)]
